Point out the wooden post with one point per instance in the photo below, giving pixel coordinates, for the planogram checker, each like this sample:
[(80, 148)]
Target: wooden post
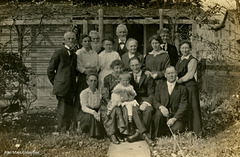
[(144, 40), (173, 30), (100, 28), (194, 42), (176, 41), (160, 18), (85, 27)]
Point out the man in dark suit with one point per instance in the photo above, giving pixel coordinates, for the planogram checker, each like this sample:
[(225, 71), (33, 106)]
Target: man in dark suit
[(164, 33), (170, 102), (144, 87), (120, 46), (61, 73)]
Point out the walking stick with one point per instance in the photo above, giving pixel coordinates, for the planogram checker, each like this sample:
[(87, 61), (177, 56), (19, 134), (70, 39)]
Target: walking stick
[(176, 142)]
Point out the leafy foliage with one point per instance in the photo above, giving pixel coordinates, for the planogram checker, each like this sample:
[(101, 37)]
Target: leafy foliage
[(15, 84)]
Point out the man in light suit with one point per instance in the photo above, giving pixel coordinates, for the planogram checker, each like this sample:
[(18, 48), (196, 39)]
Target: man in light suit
[(62, 74), (120, 46), (164, 33), (170, 102)]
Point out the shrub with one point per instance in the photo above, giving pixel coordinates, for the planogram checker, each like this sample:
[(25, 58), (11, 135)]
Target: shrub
[(15, 85)]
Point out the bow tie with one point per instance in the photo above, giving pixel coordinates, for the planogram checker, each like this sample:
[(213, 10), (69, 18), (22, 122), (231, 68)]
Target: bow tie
[(121, 43)]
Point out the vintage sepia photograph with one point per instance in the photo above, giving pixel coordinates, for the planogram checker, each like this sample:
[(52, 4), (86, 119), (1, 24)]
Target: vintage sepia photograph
[(119, 78)]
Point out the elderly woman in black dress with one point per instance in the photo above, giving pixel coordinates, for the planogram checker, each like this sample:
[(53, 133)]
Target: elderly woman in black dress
[(186, 68)]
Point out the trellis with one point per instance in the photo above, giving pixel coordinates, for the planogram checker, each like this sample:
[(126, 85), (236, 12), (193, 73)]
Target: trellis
[(39, 61)]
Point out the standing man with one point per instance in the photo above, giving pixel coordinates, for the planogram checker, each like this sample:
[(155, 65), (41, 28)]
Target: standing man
[(62, 74), (164, 33), (121, 32), (144, 86), (96, 45), (171, 101)]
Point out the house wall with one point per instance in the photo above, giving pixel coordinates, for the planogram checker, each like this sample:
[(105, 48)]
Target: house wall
[(51, 38)]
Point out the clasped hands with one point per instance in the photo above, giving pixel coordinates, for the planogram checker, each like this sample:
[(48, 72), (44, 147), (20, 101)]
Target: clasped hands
[(151, 74), (90, 70), (96, 115), (165, 113)]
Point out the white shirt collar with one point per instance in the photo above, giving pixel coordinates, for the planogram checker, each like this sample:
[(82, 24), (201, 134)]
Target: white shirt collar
[(130, 55), (185, 57), (165, 46), (138, 74), (156, 53), (171, 84), (124, 41), (68, 48), (90, 51), (90, 91)]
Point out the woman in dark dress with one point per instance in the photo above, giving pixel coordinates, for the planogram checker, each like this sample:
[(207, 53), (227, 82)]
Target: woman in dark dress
[(115, 123), (156, 60), (132, 45), (186, 68)]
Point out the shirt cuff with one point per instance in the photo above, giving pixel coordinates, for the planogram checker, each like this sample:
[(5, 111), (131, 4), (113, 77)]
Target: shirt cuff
[(147, 103)]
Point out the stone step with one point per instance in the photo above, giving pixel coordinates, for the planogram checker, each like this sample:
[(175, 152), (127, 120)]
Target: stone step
[(125, 149)]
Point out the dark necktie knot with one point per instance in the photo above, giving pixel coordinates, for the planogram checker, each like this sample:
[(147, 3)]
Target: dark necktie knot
[(163, 47)]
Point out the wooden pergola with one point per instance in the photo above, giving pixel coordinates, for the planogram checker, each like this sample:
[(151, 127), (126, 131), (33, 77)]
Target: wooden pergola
[(102, 16)]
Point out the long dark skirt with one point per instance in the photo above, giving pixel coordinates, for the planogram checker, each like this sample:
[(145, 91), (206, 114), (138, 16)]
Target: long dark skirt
[(89, 124), (194, 111)]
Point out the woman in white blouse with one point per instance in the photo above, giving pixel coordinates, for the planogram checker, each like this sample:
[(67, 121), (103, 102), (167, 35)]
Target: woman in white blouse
[(89, 117), (106, 58)]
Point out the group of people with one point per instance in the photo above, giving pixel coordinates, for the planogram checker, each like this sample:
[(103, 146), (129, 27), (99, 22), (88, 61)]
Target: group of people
[(122, 93)]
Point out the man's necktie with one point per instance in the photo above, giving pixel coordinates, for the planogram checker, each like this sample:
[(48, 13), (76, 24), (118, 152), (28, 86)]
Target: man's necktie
[(170, 89), (163, 47), (136, 78)]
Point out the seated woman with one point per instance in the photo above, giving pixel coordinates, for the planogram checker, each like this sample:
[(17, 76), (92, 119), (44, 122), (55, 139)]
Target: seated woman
[(123, 95), (117, 121), (89, 116), (106, 57), (132, 45), (114, 124), (157, 60)]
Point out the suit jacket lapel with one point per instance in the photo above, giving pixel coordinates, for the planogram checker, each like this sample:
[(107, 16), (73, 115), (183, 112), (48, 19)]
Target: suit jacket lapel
[(142, 78), (165, 93), (174, 92)]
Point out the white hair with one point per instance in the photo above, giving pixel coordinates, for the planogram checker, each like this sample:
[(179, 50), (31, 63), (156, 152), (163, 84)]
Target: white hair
[(121, 26)]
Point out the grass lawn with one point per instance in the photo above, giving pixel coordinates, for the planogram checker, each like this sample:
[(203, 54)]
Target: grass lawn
[(30, 134)]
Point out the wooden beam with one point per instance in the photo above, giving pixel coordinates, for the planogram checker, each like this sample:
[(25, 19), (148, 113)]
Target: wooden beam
[(8, 22), (100, 28)]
